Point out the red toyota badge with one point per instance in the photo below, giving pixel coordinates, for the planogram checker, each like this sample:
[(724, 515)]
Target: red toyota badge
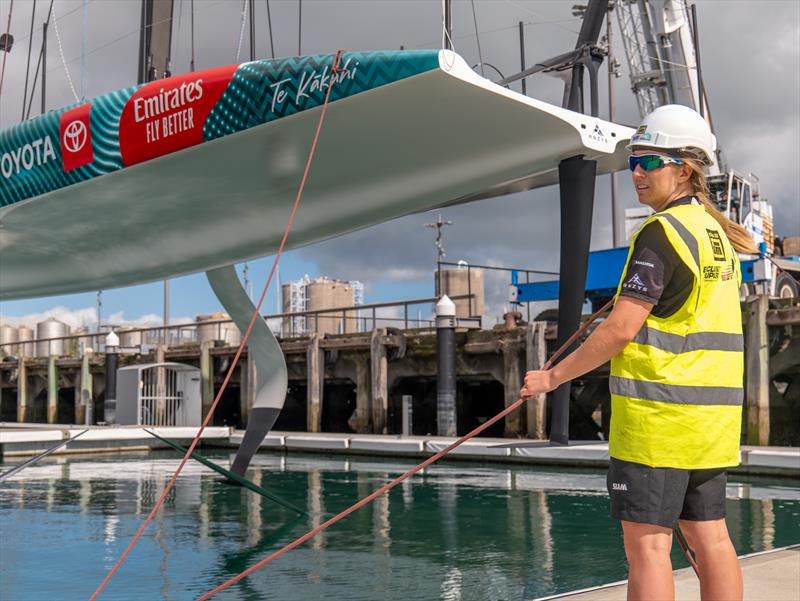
[(76, 137)]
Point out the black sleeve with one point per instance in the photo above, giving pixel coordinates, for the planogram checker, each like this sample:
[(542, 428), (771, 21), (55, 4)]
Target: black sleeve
[(651, 266)]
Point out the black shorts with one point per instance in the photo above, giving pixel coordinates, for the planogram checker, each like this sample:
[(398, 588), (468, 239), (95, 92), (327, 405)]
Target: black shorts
[(662, 495)]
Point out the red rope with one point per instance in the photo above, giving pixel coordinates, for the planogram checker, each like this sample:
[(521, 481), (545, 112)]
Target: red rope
[(255, 316), (387, 487)]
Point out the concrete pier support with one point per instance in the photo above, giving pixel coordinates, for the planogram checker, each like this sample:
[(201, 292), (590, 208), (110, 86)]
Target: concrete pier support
[(363, 395), (535, 358), (22, 391), (512, 382), (52, 390), (757, 371), (315, 366), (206, 376), (379, 365)]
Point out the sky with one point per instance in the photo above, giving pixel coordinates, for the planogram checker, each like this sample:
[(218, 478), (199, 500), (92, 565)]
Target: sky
[(751, 64)]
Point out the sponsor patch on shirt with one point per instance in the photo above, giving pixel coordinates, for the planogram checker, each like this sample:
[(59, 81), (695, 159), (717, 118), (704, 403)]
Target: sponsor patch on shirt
[(644, 263), (716, 245), (635, 283), (711, 272)]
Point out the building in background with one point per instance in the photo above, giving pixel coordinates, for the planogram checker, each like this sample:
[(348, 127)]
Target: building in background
[(462, 281), (321, 294)]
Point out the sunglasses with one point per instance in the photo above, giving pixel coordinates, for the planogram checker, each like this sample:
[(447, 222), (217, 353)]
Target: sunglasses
[(650, 162)]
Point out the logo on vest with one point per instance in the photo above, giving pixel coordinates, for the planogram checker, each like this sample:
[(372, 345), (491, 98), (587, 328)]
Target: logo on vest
[(619, 486), (711, 272), (716, 245)]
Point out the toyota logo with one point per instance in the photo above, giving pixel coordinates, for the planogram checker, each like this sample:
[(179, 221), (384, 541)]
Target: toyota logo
[(74, 136)]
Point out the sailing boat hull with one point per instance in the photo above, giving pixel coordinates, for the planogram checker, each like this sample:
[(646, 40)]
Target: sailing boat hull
[(155, 191)]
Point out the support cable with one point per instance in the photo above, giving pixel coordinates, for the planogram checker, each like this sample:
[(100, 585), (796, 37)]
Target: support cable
[(477, 38), (269, 26), (242, 344), (5, 51), (63, 60), (38, 65), (241, 30), (191, 61), (28, 65)]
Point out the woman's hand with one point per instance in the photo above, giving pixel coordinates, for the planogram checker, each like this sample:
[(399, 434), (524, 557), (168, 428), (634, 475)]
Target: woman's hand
[(537, 382)]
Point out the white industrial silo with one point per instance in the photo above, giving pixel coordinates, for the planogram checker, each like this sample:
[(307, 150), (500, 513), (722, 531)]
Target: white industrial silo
[(50, 328), (8, 336)]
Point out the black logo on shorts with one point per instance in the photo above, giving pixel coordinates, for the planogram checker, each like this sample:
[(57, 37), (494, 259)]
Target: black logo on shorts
[(716, 245)]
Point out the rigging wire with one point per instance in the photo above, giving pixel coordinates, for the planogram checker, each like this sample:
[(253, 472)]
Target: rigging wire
[(63, 16), (191, 61), (269, 26), (120, 38), (38, 65), (241, 29), (61, 54), (28, 65), (535, 14), (245, 337), (477, 38), (84, 36), (447, 37), (5, 52)]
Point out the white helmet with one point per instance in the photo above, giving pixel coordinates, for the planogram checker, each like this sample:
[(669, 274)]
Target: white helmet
[(676, 128)]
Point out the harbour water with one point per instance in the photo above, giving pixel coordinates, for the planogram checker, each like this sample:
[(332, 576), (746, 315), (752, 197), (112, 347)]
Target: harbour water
[(457, 532)]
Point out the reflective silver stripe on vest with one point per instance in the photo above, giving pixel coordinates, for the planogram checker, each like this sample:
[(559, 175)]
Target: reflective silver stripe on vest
[(673, 393), (698, 341), (685, 235)]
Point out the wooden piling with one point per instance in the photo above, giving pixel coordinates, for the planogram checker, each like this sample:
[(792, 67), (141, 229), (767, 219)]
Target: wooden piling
[(512, 382), (379, 369), (84, 412), (52, 390), (535, 358), (315, 370), (207, 376), (363, 395), (22, 391), (757, 370)]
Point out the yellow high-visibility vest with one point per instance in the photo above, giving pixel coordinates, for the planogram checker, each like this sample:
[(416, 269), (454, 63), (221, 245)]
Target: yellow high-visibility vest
[(677, 387)]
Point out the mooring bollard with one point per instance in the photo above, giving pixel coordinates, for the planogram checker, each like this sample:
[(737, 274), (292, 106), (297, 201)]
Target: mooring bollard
[(112, 362), (446, 367)]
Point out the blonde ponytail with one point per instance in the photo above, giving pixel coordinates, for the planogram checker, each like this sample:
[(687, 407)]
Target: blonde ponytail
[(739, 237)]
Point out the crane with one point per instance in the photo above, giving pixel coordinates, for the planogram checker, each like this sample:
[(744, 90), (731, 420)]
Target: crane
[(661, 44)]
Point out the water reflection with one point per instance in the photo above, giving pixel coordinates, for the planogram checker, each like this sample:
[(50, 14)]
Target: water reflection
[(456, 532)]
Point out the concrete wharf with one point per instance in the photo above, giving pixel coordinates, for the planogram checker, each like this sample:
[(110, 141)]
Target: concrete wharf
[(356, 382), (21, 440), (768, 576)]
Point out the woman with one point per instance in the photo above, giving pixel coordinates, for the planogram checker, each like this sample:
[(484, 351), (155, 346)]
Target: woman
[(674, 339)]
